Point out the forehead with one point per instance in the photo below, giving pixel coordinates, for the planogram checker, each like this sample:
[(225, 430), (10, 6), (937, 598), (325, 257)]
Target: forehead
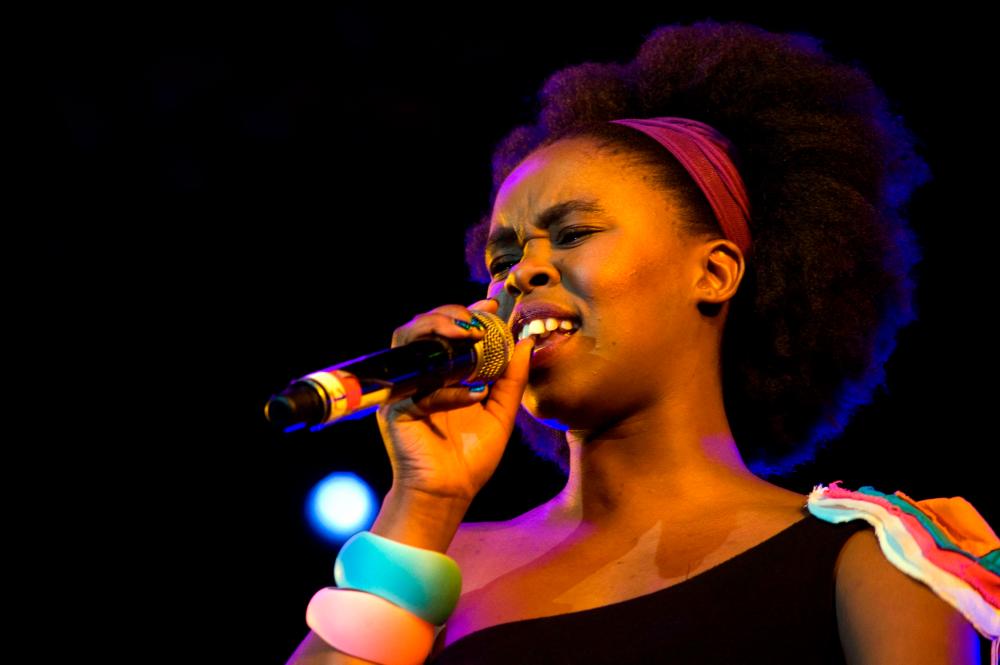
[(565, 168), (554, 182)]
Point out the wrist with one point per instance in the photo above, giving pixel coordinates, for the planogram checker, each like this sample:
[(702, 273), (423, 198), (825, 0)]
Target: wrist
[(419, 519)]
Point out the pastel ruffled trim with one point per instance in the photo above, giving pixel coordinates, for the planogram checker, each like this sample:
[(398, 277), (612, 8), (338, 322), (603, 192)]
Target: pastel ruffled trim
[(943, 542)]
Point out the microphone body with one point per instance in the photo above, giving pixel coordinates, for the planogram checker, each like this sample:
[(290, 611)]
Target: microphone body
[(355, 388)]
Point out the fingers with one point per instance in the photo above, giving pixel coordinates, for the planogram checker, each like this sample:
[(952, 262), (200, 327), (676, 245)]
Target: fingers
[(505, 395), (454, 324), (443, 399), (502, 398), (453, 321)]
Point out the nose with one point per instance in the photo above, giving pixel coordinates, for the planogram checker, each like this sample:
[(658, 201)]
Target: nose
[(530, 272)]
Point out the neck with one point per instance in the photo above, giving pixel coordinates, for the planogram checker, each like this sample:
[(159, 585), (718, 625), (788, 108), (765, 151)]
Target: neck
[(676, 459)]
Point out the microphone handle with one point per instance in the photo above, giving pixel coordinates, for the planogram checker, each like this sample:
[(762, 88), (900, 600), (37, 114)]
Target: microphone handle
[(355, 388)]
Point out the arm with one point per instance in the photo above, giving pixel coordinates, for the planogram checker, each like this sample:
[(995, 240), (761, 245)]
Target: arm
[(314, 651), (410, 518), (887, 617)]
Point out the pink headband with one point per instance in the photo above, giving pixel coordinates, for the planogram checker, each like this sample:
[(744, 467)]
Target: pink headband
[(704, 152)]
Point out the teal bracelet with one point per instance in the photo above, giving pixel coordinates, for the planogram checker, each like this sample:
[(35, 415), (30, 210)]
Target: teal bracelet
[(424, 582)]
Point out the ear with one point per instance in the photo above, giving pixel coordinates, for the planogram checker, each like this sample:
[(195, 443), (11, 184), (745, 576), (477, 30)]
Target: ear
[(721, 271)]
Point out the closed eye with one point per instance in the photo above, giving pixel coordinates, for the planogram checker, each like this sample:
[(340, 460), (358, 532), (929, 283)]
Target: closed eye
[(495, 268), (569, 235), (574, 232)]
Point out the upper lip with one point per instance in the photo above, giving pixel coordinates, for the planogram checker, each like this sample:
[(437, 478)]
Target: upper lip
[(528, 311)]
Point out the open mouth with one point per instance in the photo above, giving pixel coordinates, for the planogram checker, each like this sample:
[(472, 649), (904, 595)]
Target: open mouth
[(550, 337), (550, 346), (542, 329)]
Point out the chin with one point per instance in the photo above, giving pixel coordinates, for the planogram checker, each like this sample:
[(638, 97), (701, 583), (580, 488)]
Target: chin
[(554, 411)]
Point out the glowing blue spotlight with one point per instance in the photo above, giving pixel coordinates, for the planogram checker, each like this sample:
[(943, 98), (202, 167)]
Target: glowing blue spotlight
[(341, 505)]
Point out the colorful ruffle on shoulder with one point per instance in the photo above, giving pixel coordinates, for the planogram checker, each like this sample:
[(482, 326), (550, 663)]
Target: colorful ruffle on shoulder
[(944, 543)]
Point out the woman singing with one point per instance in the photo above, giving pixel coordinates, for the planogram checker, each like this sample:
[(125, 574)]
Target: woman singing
[(703, 256)]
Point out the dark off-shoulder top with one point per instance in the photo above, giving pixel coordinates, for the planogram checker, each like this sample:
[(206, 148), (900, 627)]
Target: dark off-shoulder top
[(773, 603)]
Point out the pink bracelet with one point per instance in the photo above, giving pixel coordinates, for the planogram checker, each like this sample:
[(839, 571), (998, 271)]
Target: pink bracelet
[(368, 626)]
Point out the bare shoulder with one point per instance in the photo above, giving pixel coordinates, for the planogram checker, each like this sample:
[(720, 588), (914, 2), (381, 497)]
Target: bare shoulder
[(460, 543), (886, 616), (468, 534), (466, 549), (474, 548)]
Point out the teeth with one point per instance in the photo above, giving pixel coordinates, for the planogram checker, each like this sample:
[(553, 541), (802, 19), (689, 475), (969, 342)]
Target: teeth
[(544, 327)]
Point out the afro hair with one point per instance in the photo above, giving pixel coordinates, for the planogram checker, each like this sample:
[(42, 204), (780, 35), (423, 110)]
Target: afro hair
[(829, 169)]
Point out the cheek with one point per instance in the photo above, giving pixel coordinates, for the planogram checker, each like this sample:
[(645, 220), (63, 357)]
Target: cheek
[(634, 304), (615, 304)]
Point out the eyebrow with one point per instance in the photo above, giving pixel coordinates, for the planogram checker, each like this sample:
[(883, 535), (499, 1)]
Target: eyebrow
[(553, 214)]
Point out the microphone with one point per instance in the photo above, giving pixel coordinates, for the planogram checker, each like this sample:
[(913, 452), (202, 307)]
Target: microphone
[(355, 388)]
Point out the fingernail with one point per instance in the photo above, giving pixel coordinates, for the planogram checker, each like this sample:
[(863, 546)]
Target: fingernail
[(477, 389), (462, 324)]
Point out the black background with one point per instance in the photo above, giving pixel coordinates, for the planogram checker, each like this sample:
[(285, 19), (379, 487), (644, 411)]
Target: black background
[(217, 206)]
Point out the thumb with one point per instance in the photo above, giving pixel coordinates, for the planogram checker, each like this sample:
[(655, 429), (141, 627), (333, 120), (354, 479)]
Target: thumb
[(505, 395), (489, 305)]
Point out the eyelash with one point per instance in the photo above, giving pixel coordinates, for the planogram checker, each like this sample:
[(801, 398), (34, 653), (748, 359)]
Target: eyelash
[(510, 262)]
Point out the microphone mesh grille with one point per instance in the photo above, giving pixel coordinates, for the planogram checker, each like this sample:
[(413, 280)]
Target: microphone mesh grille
[(495, 349)]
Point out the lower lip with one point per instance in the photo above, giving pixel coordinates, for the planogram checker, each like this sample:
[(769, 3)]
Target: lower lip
[(545, 355)]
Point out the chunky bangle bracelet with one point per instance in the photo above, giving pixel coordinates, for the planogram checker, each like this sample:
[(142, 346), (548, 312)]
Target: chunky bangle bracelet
[(424, 582), (369, 627)]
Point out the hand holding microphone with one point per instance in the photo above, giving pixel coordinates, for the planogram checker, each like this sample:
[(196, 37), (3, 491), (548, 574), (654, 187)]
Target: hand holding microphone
[(448, 442), (421, 411), (444, 442)]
